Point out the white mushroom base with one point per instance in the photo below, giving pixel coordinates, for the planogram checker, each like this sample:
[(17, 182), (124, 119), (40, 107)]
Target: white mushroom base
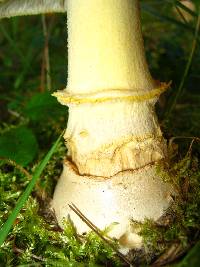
[(126, 196)]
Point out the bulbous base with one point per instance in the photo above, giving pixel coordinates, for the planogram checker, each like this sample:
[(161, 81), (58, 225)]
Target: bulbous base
[(127, 196)]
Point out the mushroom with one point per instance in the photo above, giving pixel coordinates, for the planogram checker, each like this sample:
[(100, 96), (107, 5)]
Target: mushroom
[(113, 136), (12, 8)]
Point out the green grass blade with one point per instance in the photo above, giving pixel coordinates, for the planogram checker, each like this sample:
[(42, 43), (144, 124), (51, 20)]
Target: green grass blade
[(26, 59), (186, 71), (12, 42), (21, 201), (25, 68), (166, 18)]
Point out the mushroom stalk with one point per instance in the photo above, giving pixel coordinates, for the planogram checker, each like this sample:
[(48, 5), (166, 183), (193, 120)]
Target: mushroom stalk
[(113, 137)]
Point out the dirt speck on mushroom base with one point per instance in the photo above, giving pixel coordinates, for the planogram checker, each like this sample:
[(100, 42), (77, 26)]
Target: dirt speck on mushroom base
[(113, 136)]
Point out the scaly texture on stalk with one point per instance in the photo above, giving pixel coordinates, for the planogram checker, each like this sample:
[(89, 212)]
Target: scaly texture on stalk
[(113, 136)]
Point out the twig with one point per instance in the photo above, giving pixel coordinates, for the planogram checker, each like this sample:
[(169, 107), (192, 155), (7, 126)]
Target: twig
[(17, 166), (169, 256), (42, 75), (98, 232), (46, 53), (190, 147), (18, 250), (14, 113), (39, 191), (183, 137)]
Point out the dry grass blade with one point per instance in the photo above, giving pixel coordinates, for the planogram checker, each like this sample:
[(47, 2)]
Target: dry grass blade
[(46, 53), (98, 232), (17, 166), (172, 254)]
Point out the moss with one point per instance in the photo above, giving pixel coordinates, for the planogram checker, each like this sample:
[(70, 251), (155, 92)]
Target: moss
[(36, 239), (35, 224), (179, 227)]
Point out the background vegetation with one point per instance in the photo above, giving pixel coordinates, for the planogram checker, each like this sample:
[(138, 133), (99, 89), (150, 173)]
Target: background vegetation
[(33, 61)]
